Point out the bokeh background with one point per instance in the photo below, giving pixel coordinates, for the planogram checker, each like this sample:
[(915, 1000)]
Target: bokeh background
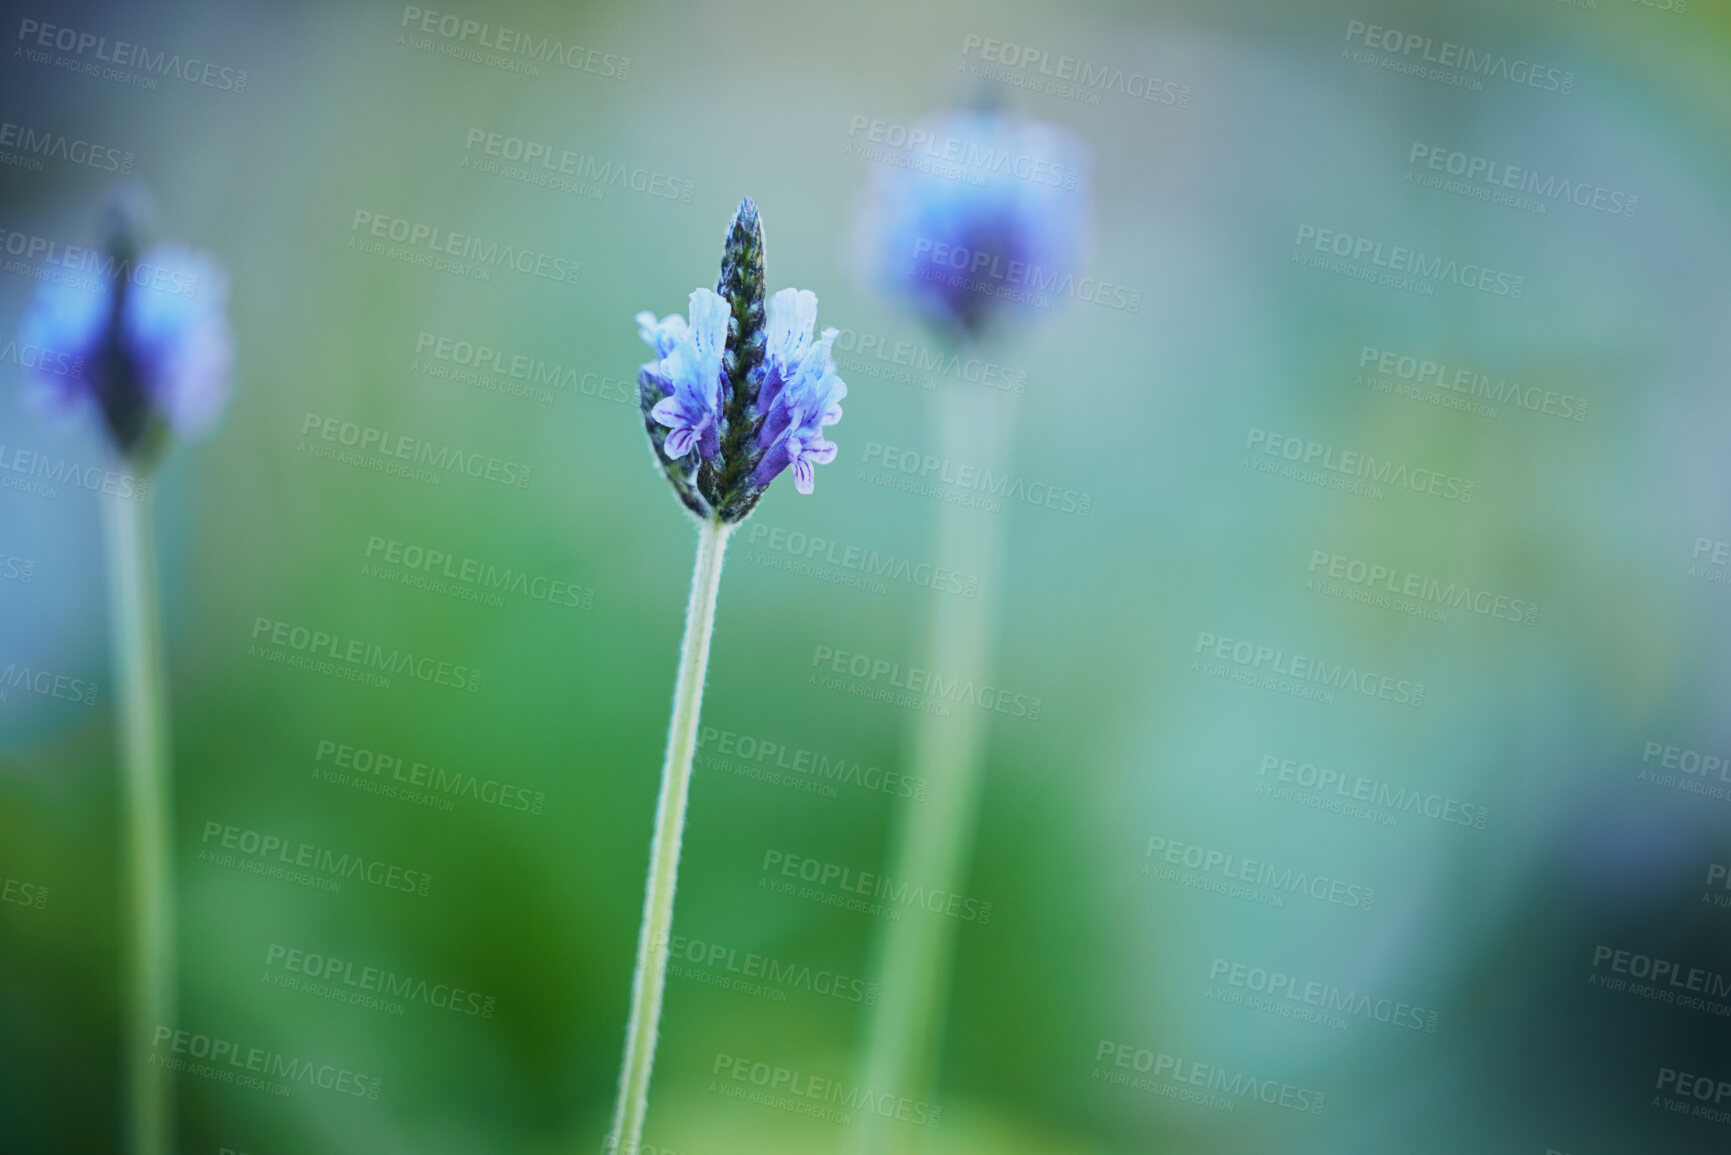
[(1158, 414)]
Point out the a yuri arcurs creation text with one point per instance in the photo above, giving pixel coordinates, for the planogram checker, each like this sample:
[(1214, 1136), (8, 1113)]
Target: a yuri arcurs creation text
[(737, 394)]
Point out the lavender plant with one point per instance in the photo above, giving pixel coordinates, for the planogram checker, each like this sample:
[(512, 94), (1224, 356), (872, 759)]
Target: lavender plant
[(1017, 204), (148, 354), (967, 249), (737, 393)]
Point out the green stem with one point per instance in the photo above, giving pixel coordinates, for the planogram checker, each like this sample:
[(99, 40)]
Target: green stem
[(147, 805), (934, 845), (651, 975)]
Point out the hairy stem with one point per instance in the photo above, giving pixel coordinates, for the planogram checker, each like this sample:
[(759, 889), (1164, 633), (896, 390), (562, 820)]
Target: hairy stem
[(651, 974)]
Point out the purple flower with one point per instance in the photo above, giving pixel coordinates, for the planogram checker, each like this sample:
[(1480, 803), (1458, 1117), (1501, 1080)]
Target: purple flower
[(800, 393), (687, 374), (743, 382), (149, 347), (991, 234)]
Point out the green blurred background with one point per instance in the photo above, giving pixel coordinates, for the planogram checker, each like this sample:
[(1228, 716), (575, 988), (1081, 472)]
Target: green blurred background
[(1150, 412)]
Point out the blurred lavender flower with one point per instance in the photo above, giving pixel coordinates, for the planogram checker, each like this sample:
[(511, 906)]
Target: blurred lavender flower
[(985, 232), (977, 221), (149, 347), (739, 392)]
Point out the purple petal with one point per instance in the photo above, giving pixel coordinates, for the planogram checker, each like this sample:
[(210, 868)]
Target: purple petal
[(679, 442), (802, 474), (774, 461), (709, 441)]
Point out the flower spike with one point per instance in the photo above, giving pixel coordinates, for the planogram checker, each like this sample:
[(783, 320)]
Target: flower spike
[(739, 390)]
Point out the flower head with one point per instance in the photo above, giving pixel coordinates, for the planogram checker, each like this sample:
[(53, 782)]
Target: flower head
[(149, 347), (987, 238), (740, 390)]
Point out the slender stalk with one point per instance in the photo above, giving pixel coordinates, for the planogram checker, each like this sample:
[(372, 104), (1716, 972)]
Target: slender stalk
[(651, 974), (147, 805), (934, 844)]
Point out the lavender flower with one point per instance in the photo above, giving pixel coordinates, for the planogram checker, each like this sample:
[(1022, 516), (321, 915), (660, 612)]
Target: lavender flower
[(984, 238), (149, 347), (689, 374), (739, 392)]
